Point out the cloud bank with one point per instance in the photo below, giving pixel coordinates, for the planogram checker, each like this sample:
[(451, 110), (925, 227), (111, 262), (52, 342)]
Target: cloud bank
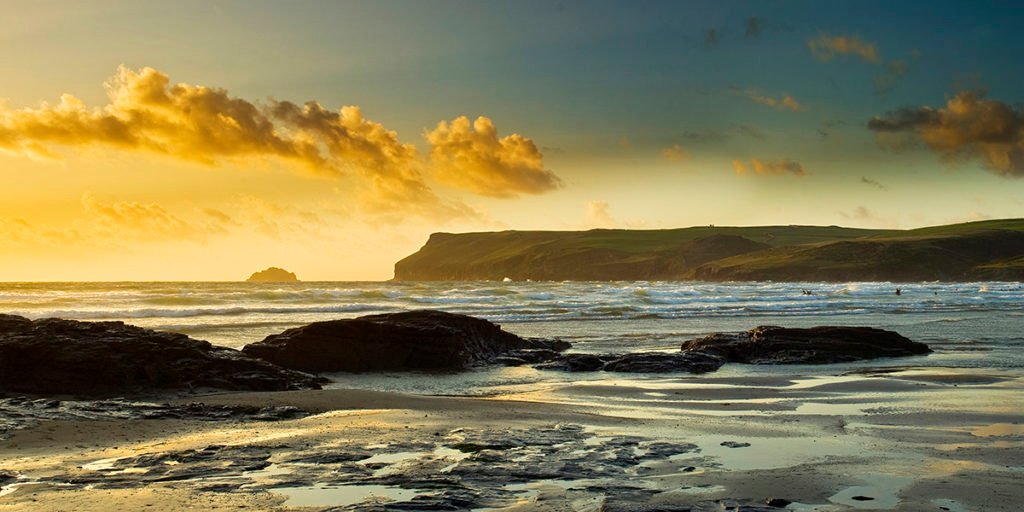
[(147, 113), (968, 126)]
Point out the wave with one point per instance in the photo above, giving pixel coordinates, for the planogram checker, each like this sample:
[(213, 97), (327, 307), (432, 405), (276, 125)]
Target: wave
[(183, 313)]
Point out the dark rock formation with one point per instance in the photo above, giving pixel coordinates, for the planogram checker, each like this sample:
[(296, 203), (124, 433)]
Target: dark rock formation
[(815, 345), (273, 275), (54, 356), (640, 362), (661, 362), (412, 340)]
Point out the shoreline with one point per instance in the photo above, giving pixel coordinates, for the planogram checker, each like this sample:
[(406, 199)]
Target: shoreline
[(931, 433)]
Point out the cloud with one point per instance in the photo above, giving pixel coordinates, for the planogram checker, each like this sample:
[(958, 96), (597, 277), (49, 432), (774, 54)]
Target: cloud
[(711, 38), (675, 153), (219, 216), (968, 126), (598, 215), (472, 157), (827, 127), (775, 168), (751, 131), (753, 28), (887, 80), (784, 102), (860, 213), (708, 136), (129, 219), (826, 48), (147, 113), (868, 181)]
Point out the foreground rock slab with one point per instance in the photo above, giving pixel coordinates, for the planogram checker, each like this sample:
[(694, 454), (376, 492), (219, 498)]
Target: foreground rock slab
[(67, 357), (814, 345), (411, 340)]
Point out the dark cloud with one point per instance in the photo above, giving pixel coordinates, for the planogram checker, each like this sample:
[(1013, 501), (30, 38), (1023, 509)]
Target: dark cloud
[(753, 28), (750, 131), (711, 39), (968, 126), (868, 181), (827, 128)]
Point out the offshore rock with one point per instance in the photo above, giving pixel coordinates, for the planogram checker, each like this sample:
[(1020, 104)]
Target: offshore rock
[(815, 345), (68, 357), (273, 275), (411, 340)]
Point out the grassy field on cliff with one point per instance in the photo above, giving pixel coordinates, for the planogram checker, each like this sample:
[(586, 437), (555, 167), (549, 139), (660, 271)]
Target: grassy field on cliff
[(953, 252)]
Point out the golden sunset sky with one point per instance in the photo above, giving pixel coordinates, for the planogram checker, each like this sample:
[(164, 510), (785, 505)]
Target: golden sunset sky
[(207, 140)]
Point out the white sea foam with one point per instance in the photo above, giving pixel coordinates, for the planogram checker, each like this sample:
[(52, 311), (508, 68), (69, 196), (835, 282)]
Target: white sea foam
[(629, 312)]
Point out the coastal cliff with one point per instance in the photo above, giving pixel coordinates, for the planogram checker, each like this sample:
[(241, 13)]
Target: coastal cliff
[(987, 250)]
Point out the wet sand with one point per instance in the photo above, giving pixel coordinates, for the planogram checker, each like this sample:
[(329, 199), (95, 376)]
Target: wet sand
[(913, 439)]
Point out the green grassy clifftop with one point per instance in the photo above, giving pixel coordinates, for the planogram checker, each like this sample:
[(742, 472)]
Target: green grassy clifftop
[(977, 250)]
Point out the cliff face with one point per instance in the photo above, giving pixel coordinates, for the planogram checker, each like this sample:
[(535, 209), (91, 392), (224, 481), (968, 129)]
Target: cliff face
[(981, 250)]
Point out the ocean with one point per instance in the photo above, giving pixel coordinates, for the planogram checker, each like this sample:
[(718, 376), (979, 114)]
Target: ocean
[(969, 325), (891, 431)]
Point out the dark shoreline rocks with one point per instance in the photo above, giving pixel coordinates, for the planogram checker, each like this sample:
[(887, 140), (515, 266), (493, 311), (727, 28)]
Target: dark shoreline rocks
[(637, 362), (814, 345), (410, 340), (67, 357), (102, 359), (761, 345)]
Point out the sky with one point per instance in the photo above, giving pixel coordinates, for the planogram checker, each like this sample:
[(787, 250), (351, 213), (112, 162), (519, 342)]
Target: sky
[(195, 140)]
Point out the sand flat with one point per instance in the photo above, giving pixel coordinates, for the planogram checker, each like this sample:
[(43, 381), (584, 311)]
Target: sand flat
[(559, 449)]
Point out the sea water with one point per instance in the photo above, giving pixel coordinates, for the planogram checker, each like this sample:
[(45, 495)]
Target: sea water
[(975, 325)]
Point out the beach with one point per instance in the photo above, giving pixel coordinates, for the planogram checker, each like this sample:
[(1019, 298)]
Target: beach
[(907, 439), (932, 432)]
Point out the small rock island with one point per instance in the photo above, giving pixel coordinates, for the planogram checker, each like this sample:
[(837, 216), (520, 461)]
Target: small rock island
[(273, 275)]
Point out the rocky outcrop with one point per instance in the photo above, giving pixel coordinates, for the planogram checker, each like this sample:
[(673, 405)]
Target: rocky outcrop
[(412, 340), (761, 345), (273, 275), (54, 356), (639, 362), (815, 345)]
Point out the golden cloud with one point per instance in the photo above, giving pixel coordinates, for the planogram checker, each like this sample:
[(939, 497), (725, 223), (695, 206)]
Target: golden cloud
[(775, 168), (599, 215), (826, 48), (969, 126), (147, 113), (136, 220), (675, 153), (785, 102), (472, 157)]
